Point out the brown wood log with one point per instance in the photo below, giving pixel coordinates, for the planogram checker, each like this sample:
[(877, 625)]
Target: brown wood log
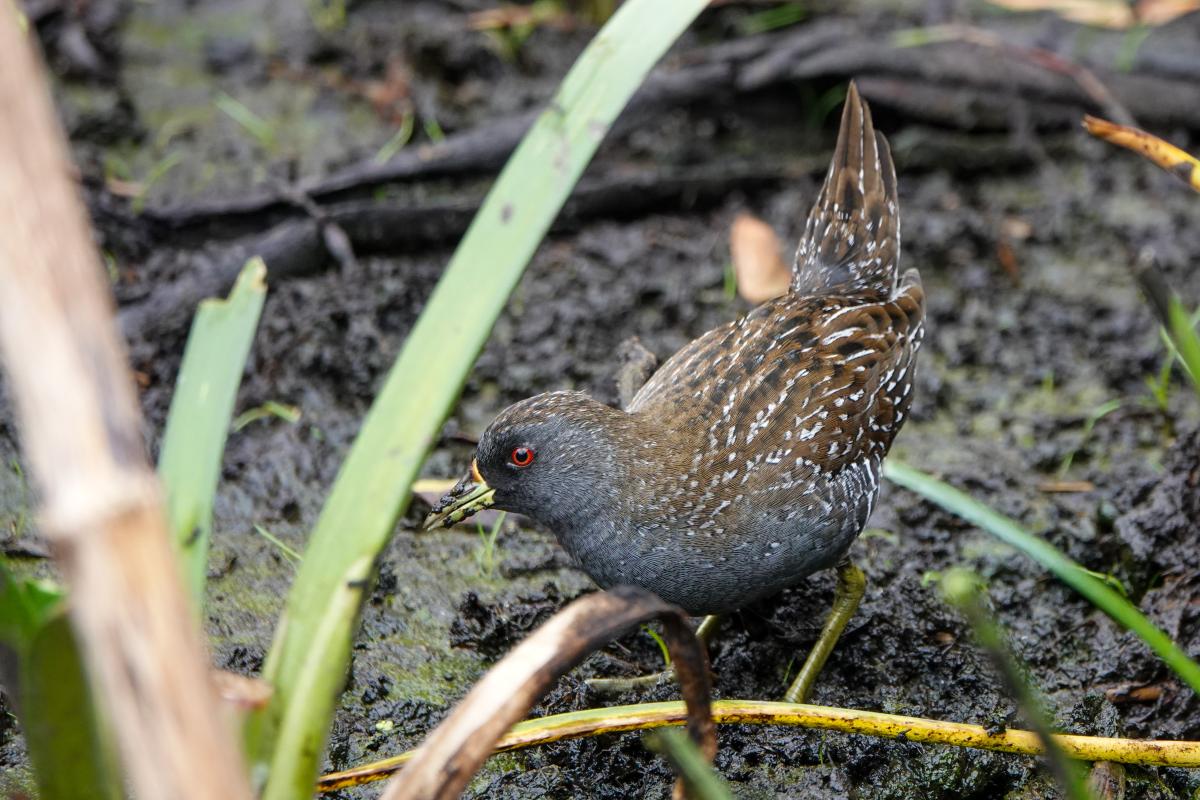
[(81, 429)]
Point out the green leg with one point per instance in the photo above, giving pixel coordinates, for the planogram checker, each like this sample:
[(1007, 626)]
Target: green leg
[(851, 584), (704, 632)]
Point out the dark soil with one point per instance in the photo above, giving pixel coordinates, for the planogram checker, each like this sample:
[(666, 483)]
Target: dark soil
[(1016, 362)]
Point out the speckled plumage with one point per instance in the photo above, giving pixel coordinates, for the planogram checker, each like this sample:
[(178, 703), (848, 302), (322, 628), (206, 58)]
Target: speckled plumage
[(752, 457)]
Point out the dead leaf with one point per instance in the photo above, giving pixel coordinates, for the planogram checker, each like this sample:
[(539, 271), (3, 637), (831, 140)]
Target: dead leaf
[(1066, 487), (514, 16), (1107, 13), (760, 272), (241, 692), (123, 188), (1016, 228), (1160, 12), (1008, 261), (1106, 781)]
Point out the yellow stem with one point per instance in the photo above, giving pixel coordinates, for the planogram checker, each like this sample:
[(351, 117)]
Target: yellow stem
[(595, 721)]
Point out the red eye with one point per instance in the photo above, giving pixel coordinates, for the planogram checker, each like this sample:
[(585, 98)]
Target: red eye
[(521, 457)]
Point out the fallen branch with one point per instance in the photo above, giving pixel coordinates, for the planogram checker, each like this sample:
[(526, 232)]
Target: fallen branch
[(1012, 60), (294, 248), (597, 721), (1083, 77), (988, 66), (481, 150)]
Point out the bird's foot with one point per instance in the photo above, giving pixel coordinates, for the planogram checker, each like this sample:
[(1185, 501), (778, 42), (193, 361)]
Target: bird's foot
[(614, 686)]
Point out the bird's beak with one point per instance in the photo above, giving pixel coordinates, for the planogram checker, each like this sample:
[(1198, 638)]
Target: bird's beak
[(469, 496)]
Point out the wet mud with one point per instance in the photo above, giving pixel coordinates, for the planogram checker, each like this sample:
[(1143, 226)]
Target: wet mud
[(1035, 322)]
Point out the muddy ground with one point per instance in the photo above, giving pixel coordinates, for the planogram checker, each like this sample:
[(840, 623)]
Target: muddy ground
[(1035, 323)]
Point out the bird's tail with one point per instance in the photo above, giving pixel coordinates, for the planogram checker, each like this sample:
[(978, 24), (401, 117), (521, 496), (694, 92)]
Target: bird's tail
[(851, 243)]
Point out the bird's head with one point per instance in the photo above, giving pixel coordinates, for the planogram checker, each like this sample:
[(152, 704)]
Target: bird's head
[(549, 457)]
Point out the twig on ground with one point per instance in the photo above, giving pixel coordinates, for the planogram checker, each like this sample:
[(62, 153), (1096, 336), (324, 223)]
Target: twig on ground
[(293, 248), (450, 756), (597, 721), (1026, 50), (1087, 81)]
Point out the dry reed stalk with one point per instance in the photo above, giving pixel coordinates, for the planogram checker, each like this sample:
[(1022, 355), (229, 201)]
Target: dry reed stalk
[(81, 430)]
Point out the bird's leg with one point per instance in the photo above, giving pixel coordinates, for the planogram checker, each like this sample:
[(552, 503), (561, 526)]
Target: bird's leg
[(707, 629), (637, 364), (704, 632), (851, 584)]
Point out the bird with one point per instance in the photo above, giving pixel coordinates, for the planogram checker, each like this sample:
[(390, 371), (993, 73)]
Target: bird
[(752, 458)]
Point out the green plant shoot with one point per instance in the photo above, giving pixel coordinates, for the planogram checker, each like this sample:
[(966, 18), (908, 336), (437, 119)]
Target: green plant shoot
[(308, 659), (198, 422)]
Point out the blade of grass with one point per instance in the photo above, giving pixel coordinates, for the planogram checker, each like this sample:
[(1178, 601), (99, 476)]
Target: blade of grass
[(289, 553), (1161, 384), (373, 484), (70, 748), (1098, 413), (271, 408), (252, 123), (1182, 330), (1177, 323), (399, 139), (1070, 573), (645, 716), (772, 19), (194, 441), (964, 591), (296, 753), (485, 555), (156, 173), (701, 780), (658, 640)]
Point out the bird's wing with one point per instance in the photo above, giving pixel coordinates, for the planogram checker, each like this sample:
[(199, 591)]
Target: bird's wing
[(798, 389)]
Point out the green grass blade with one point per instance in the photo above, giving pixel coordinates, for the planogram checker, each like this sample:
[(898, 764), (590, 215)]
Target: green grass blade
[(374, 481), (701, 780), (25, 606), (1072, 574), (1182, 330), (299, 739), (253, 124), (964, 590), (190, 461), (72, 756)]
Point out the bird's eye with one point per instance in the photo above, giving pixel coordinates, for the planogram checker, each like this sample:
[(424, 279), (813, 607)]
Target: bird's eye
[(521, 457)]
